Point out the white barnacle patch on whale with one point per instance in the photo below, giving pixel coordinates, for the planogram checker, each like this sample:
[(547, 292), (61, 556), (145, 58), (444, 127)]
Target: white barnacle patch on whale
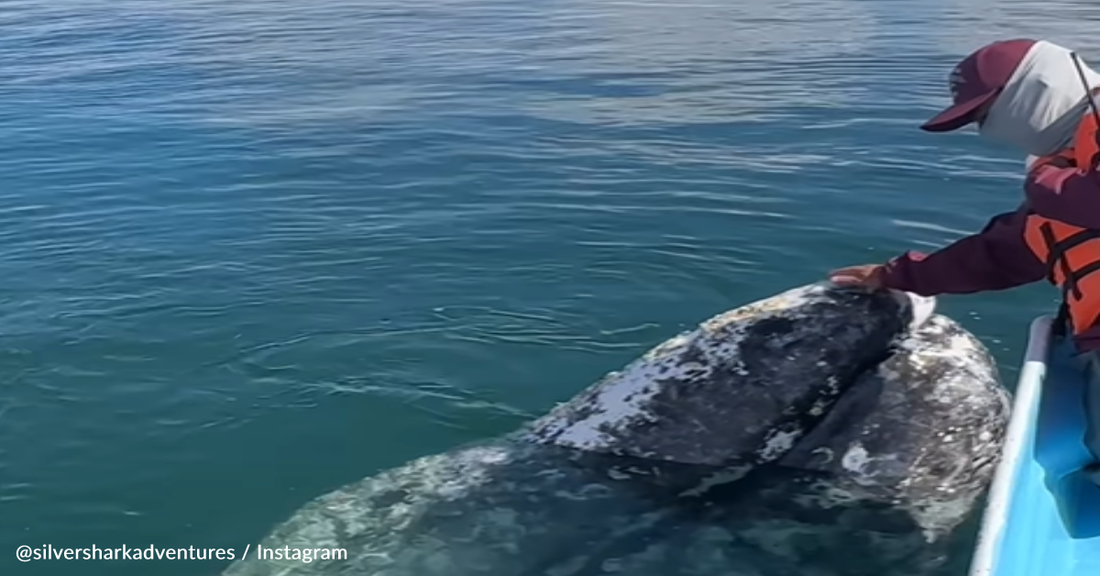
[(475, 464), (778, 441), (822, 494), (723, 476), (624, 397), (633, 388), (855, 458)]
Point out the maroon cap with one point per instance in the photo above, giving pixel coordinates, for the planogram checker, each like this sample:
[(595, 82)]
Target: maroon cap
[(976, 80)]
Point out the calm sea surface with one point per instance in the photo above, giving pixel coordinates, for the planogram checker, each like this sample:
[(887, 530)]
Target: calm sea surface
[(255, 250)]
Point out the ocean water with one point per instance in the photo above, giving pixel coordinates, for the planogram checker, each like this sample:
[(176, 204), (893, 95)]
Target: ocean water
[(252, 251)]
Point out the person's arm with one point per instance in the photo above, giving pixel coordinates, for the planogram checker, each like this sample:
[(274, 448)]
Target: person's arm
[(1065, 193), (997, 258)]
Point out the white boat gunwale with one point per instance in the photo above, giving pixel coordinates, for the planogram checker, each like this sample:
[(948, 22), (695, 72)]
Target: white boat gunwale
[(1042, 515), (1020, 429)]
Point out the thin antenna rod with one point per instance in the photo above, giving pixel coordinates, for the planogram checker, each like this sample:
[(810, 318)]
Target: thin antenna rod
[(1085, 83)]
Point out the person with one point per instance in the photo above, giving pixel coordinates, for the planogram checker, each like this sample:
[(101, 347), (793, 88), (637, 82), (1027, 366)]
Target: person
[(1038, 97)]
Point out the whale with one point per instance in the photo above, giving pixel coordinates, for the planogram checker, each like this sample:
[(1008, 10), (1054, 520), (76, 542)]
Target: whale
[(760, 443), (894, 472)]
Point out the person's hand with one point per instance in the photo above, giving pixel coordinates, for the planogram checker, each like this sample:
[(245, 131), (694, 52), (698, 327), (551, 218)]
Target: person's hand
[(869, 275)]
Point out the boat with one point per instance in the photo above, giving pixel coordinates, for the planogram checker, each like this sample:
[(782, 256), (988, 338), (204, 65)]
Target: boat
[(1042, 516)]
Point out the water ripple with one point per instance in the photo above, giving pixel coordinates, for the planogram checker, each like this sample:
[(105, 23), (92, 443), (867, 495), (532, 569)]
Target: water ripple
[(255, 250)]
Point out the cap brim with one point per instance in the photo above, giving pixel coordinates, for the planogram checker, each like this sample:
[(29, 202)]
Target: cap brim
[(958, 115)]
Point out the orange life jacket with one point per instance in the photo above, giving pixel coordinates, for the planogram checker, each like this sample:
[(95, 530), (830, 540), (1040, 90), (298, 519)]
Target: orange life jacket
[(1071, 253)]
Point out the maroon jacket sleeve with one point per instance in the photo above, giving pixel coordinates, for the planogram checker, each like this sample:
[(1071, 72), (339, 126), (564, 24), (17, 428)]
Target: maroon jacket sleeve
[(1065, 194), (996, 258)]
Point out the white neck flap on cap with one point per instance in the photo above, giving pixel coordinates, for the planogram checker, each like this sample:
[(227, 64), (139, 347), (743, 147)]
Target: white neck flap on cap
[(1039, 109)]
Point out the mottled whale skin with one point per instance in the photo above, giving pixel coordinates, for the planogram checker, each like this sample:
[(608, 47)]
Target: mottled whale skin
[(884, 485), (744, 386), (710, 455)]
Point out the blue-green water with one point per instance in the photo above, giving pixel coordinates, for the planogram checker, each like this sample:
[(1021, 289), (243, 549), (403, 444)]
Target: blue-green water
[(252, 251)]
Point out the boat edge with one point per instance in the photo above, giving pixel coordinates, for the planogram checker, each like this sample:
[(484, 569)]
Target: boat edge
[(1017, 440)]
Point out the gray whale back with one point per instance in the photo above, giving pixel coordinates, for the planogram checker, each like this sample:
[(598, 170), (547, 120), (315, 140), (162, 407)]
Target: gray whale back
[(743, 387)]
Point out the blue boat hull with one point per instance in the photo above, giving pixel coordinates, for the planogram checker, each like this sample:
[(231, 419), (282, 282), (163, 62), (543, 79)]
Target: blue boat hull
[(1042, 517)]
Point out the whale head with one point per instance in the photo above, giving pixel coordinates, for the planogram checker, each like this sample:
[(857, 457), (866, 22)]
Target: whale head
[(744, 386)]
